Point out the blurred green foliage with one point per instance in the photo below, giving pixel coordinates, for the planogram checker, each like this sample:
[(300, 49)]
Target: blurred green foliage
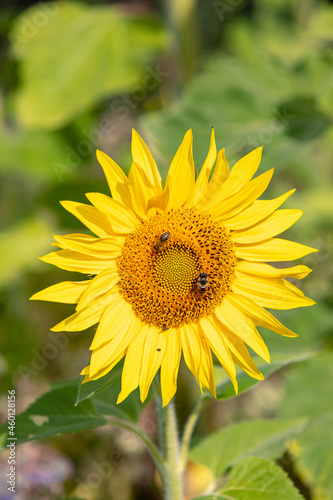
[(79, 56), (76, 77)]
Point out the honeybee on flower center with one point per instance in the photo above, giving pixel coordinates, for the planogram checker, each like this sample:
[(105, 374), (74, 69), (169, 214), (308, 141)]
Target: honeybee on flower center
[(202, 282), (163, 238)]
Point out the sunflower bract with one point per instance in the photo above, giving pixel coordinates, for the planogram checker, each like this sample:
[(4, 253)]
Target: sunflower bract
[(179, 270)]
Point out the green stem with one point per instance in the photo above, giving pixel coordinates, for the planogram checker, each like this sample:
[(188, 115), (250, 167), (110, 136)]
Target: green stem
[(180, 15), (173, 478), (158, 459), (188, 431), (160, 413)]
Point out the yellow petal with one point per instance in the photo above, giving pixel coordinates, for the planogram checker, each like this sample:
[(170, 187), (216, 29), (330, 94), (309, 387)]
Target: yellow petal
[(98, 247), (240, 325), (76, 261), (109, 351), (115, 321), (85, 318), (242, 172), (273, 250), (180, 181), (181, 177), (85, 370), (258, 314), (170, 365), (206, 368), (239, 177), (143, 157), (275, 224), (101, 284), (116, 179), (220, 174), (265, 270), (217, 343), (141, 190), (101, 372), (258, 211), (67, 292), (92, 218), (191, 348), (159, 203), (63, 241), (270, 293), (243, 198), (132, 365), (293, 288), (121, 219), (202, 180), (154, 350), (241, 355)]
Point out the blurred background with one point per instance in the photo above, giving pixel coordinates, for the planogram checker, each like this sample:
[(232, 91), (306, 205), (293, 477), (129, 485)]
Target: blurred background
[(76, 77)]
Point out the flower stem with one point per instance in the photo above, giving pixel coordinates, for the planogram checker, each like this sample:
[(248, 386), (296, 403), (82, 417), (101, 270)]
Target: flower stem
[(190, 424), (181, 24), (173, 478), (148, 442)]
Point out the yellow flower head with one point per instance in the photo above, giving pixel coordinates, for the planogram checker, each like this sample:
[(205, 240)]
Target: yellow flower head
[(179, 269)]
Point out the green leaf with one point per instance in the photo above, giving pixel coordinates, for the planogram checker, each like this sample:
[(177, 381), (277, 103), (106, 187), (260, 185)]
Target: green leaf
[(225, 389), (52, 414), (104, 393), (89, 389), (314, 377), (314, 455), (105, 403), (258, 479), (57, 413), (262, 438), (80, 55), (309, 392)]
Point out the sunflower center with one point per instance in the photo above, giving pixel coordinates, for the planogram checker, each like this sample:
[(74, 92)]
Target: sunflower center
[(176, 268)]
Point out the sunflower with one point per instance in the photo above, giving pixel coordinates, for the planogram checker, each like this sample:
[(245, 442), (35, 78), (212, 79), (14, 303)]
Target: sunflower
[(178, 269)]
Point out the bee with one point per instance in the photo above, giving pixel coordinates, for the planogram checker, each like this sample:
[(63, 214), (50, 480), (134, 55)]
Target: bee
[(163, 238), (202, 282)]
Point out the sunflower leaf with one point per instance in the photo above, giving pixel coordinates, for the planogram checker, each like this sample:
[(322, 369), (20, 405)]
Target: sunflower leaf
[(105, 402), (316, 375), (53, 414), (256, 479), (224, 387), (315, 462), (103, 393), (261, 438), (89, 389)]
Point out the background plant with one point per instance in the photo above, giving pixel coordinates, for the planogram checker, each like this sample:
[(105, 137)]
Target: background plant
[(78, 76)]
